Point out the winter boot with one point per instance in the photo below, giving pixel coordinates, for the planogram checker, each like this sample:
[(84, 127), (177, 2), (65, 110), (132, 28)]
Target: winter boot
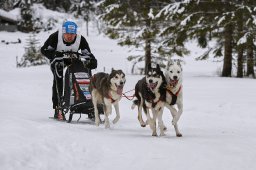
[(55, 113), (59, 115)]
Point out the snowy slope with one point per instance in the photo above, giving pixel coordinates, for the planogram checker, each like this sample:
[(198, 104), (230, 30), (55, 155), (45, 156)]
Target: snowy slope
[(218, 124)]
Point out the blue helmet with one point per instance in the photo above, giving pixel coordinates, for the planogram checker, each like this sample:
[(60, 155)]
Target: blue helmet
[(69, 27)]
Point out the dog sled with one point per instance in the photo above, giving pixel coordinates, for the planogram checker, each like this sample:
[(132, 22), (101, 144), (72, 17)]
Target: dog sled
[(75, 97)]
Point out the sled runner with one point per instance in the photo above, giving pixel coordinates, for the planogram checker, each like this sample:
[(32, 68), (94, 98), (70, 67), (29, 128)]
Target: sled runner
[(75, 97)]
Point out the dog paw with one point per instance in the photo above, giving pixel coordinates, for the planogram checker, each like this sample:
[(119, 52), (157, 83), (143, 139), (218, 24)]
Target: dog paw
[(162, 134), (107, 125), (154, 134), (179, 135), (143, 125), (116, 120), (97, 122), (165, 128)]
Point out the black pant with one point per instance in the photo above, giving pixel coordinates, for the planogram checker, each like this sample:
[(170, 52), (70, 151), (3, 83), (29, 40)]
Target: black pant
[(57, 85)]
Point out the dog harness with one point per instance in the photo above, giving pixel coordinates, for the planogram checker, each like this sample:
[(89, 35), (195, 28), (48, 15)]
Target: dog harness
[(174, 96), (150, 98), (111, 98)]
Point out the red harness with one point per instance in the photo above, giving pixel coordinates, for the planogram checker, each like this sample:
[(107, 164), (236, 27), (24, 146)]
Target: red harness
[(174, 96), (155, 103), (110, 97), (171, 93)]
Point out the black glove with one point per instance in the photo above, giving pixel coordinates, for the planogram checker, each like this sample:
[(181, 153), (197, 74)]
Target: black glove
[(58, 54), (67, 61), (92, 63)]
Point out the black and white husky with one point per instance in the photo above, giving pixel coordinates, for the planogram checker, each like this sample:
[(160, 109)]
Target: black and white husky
[(150, 93), (107, 89), (174, 94)]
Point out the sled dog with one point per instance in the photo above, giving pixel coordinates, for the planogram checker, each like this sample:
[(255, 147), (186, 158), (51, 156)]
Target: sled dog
[(174, 95), (107, 89), (150, 93)]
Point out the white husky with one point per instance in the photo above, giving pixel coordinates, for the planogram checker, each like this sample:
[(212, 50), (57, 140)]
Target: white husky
[(174, 95)]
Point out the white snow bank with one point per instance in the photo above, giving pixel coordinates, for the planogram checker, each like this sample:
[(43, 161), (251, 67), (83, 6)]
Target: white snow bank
[(8, 15)]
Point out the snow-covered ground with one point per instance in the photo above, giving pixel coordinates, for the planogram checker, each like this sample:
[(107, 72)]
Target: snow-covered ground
[(218, 123)]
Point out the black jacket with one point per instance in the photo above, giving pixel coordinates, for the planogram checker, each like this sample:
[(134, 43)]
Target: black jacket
[(50, 46)]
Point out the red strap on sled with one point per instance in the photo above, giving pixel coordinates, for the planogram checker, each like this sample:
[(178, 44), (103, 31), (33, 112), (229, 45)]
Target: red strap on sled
[(76, 91), (83, 81)]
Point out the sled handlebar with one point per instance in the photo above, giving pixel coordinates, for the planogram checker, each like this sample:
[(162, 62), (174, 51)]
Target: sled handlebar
[(67, 56), (71, 52)]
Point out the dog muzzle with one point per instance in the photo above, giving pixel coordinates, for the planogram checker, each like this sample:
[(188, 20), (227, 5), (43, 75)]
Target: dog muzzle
[(152, 86), (173, 83), (119, 89)]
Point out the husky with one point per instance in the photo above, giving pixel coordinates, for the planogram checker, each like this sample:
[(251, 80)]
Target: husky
[(107, 89), (150, 93), (174, 94)]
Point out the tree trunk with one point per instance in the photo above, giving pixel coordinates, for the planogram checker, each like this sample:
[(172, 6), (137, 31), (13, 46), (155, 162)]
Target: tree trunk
[(147, 46), (147, 55), (227, 64), (87, 28), (250, 61), (240, 49), (240, 62), (87, 19)]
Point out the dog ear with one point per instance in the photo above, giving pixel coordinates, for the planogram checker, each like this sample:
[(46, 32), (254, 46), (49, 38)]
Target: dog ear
[(171, 62), (112, 69), (158, 67), (179, 62)]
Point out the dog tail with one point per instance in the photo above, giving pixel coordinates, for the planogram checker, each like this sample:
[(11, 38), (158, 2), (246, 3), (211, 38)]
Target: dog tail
[(135, 103)]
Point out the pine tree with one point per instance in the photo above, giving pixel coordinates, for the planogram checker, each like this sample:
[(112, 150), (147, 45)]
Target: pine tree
[(59, 5), (6, 4), (84, 9), (50, 4), (226, 22), (26, 23), (133, 23), (32, 56), (193, 20)]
